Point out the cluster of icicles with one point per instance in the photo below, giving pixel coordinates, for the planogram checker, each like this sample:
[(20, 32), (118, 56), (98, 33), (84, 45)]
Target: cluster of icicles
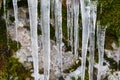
[(88, 15)]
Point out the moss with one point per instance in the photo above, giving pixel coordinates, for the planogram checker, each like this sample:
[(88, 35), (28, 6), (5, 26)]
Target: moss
[(110, 38), (12, 19), (73, 78), (86, 75), (3, 37), (3, 34), (14, 70), (10, 67), (113, 18), (14, 45)]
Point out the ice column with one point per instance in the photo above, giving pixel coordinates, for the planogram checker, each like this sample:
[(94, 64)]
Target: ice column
[(93, 9), (69, 4), (100, 41), (58, 33), (15, 7), (32, 4), (85, 10), (76, 27), (45, 19)]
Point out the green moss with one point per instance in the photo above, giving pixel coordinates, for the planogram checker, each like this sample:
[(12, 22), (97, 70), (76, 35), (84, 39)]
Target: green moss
[(110, 38), (73, 78), (14, 70), (10, 67), (3, 34), (12, 19), (14, 45), (113, 18), (86, 75), (3, 37)]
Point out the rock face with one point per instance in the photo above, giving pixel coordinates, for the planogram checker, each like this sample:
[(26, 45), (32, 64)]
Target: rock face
[(114, 54), (114, 76), (24, 54)]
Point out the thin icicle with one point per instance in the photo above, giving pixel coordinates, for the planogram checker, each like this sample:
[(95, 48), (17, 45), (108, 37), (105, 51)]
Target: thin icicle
[(100, 41), (85, 10), (69, 4), (45, 18), (6, 16), (58, 33), (92, 38), (15, 7), (32, 4), (76, 27)]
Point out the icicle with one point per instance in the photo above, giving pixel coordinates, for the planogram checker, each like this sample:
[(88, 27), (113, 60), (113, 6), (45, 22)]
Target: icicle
[(58, 33), (69, 4), (6, 20), (85, 10), (92, 38), (76, 29), (32, 4), (45, 17), (15, 6), (100, 41)]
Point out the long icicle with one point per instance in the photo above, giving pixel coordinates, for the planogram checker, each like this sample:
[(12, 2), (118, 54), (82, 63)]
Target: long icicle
[(15, 7), (76, 27), (58, 33), (69, 4), (93, 9), (32, 4), (85, 33), (69, 17), (100, 41), (45, 18)]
